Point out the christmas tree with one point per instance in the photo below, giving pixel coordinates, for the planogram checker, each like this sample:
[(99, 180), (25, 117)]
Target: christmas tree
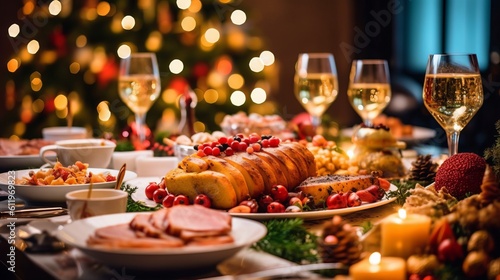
[(67, 55)]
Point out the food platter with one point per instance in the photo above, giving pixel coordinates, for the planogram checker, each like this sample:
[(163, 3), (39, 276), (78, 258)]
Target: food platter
[(15, 162), (419, 134), (141, 183), (55, 193), (245, 233)]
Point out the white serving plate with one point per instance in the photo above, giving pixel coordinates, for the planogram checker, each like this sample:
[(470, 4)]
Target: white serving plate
[(245, 233), (55, 193), (419, 134), (142, 183), (22, 161)]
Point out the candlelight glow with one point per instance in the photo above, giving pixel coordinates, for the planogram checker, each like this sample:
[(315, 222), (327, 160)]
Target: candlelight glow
[(402, 213), (374, 258)]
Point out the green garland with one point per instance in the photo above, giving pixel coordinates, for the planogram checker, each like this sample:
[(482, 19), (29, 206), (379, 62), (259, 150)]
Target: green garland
[(290, 240)]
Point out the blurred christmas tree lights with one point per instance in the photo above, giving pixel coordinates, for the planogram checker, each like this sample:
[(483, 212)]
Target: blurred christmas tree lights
[(66, 55)]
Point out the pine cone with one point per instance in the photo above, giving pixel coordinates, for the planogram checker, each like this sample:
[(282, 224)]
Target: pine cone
[(339, 243), (490, 189), (423, 169)]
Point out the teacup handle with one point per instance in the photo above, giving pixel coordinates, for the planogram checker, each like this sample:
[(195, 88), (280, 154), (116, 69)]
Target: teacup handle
[(46, 149)]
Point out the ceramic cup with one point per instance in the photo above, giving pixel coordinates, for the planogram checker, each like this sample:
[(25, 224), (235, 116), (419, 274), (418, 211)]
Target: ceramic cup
[(64, 133), (101, 202), (96, 152)]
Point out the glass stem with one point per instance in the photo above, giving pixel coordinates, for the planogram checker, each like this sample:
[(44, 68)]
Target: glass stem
[(139, 123), (316, 122), (368, 122), (452, 142)]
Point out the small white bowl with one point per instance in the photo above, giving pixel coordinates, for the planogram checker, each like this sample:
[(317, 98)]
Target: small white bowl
[(101, 202)]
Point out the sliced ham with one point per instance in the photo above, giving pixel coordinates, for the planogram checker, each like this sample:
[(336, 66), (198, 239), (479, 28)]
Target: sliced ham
[(181, 225), (122, 236), (197, 218)]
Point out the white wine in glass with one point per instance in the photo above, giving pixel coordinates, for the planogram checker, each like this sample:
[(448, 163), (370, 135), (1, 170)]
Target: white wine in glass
[(452, 93), (369, 89), (139, 86), (316, 83)]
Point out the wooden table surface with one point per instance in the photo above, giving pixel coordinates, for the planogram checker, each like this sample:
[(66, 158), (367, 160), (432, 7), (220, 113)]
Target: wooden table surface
[(72, 264)]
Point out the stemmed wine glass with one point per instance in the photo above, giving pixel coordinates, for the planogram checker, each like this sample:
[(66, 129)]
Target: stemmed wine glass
[(139, 86), (316, 83), (452, 92), (369, 88)]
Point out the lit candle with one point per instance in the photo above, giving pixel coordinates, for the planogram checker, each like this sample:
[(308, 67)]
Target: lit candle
[(404, 235), (378, 268)]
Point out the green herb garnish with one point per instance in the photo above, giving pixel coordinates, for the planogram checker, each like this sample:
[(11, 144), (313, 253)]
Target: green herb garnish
[(402, 191), (492, 154), (289, 239), (136, 206)]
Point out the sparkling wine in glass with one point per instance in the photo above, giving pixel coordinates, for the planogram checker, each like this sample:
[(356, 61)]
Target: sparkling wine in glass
[(316, 83), (139, 86), (452, 93), (369, 90)]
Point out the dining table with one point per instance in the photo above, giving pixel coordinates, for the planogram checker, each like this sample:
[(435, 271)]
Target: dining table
[(71, 263)]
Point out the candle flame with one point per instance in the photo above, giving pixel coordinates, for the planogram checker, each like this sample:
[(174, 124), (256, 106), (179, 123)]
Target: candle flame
[(402, 213), (374, 258)]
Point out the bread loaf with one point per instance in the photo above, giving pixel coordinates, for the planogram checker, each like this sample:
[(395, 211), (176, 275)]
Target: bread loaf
[(229, 178)]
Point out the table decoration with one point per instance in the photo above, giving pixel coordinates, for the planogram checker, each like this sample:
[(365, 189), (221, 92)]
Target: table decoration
[(404, 234), (377, 267)]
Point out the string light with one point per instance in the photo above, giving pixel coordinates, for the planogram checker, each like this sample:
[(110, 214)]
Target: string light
[(258, 95), (33, 47), (14, 30), (238, 98), (55, 7), (267, 58), (256, 64), (210, 96), (238, 17), (103, 8), (128, 22), (123, 51), (188, 24), (212, 35), (183, 4), (176, 66)]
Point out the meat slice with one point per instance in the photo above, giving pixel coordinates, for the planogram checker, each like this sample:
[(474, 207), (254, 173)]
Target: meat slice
[(211, 240), (122, 236), (142, 222), (159, 219), (197, 218)]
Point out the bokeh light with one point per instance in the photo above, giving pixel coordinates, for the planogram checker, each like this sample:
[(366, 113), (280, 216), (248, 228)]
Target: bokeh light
[(33, 46), (235, 81), (124, 51), (212, 35), (258, 95), (176, 66), (256, 64), (267, 58), (14, 30), (183, 4), (188, 24), (238, 98), (55, 7), (238, 17), (128, 22)]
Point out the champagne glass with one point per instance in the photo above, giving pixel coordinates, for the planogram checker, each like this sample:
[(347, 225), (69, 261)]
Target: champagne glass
[(139, 86), (369, 88), (316, 83), (452, 93)]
